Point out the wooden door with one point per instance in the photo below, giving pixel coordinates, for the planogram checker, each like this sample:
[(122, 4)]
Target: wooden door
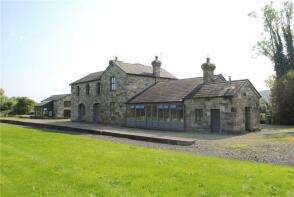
[(215, 120), (247, 118)]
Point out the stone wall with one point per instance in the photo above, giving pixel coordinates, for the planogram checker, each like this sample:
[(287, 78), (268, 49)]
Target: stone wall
[(127, 86), (232, 112), (58, 107)]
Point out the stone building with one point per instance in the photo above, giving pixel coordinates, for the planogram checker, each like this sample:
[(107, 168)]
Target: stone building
[(56, 106), (141, 96), (101, 96)]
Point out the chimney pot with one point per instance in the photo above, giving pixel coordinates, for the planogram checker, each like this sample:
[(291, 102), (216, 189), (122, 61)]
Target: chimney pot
[(230, 80), (208, 71), (156, 67)]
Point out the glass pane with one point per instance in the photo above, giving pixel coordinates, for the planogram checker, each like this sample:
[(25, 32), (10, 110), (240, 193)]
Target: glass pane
[(166, 115), (154, 112), (180, 114), (160, 115)]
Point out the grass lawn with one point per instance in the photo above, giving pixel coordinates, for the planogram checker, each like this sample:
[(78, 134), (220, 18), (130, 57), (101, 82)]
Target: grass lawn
[(35, 163)]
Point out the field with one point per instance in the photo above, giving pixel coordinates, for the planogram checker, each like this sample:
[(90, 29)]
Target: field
[(39, 163)]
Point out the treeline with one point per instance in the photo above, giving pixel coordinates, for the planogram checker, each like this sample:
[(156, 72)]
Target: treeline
[(15, 105)]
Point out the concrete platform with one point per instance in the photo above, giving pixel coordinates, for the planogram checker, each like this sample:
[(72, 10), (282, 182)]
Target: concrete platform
[(166, 137)]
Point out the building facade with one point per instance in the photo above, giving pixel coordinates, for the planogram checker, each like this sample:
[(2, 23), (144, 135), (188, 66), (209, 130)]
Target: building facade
[(101, 97), (56, 106), (141, 96)]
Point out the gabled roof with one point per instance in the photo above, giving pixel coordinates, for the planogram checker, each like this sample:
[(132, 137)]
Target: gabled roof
[(51, 98), (90, 77), (43, 103), (139, 69), (169, 91), (219, 89), (55, 97)]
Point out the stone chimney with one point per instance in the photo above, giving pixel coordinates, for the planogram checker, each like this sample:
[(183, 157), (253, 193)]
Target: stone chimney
[(208, 71), (230, 80), (156, 67)]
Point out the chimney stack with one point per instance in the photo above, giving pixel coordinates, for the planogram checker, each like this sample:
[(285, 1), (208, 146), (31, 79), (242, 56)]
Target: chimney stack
[(230, 80), (156, 67), (208, 71)]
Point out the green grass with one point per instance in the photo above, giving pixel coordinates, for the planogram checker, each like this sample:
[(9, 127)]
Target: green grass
[(35, 163)]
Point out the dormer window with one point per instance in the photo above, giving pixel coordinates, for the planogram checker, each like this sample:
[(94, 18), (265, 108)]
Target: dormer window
[(112, 83), (87, 89)]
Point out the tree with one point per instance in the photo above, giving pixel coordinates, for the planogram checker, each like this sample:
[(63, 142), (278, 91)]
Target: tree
[(277, 44), (24, 105)]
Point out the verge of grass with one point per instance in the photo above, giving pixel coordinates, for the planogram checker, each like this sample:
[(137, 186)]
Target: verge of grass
[(35, 163)]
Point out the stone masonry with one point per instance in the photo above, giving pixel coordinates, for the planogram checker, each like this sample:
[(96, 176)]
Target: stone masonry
[(127, 86)]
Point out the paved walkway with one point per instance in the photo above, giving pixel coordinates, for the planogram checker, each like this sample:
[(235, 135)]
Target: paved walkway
[(168, 137)]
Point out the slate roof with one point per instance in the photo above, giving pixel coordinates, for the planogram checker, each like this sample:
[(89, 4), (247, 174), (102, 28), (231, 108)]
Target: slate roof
[(220, 89), (169, 91), (51, 98), (55, 97), (42, 103), (89, 77), (139, 69)]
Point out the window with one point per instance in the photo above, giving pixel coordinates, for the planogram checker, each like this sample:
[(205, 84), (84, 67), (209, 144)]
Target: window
[(140, 112), (176, 112), (112, 109), (98, 88), (198, 115), (233, 109), (163, 113), (78, 90), (112, 83), (66, 103), (131, 112), (87, 89)]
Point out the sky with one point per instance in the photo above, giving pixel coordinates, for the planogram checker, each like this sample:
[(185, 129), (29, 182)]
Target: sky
[(46, 45)]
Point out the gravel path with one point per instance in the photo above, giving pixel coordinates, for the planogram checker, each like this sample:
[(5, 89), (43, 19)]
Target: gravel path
[(281, 153)]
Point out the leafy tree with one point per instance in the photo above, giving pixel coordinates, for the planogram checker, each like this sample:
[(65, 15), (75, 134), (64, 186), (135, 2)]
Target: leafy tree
[(277, 41), (264, 106), (283, 99), (277, 44), (24, 105)]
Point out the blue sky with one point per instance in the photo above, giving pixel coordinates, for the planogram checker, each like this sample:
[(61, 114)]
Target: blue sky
[(46, 45)]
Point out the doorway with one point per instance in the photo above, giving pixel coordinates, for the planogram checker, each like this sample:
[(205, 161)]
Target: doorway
[(96, 113), (247, 118), (215, 120), (81, 112)]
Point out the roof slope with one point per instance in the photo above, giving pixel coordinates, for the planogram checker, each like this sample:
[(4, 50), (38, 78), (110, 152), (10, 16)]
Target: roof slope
[(55, 97), (168, 91), (51, 98), (89, 77), (139, 69), (219, 89)]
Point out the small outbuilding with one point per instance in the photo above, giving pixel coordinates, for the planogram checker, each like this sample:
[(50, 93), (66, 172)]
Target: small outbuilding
[(56, 106)]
